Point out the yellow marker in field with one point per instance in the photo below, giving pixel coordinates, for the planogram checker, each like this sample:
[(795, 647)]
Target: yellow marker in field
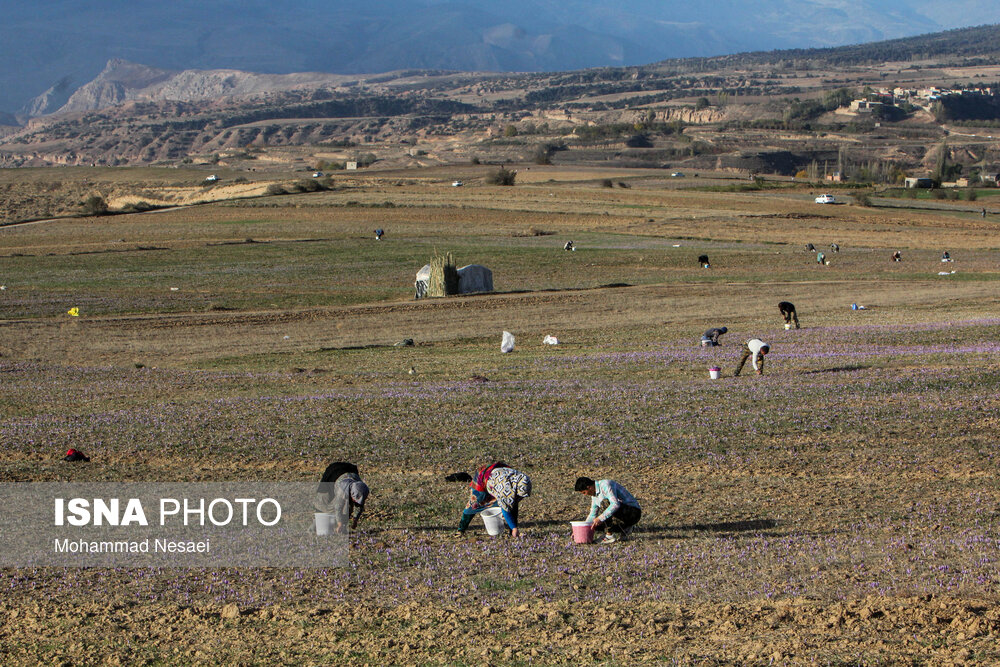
[(74, 312)]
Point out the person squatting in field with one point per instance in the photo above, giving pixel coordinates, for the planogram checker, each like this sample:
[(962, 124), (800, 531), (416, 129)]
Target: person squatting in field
[(757, 349), (787, 309), (341, 493), (711, 337), (479, 498), (622, 513), (509, 487)]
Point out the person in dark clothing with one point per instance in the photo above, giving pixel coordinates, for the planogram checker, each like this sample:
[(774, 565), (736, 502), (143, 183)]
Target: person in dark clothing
[(788, 312), (342, 493), (703, 260), (810, 247), (711, 337), (897, 256), (330, 475), (834, 247)]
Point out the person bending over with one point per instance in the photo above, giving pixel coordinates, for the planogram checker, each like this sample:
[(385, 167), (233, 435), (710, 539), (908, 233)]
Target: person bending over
[(509, 487), (757, 349), (622, 513), (788, 312), (479, 498), (711, 337), (342, 493)]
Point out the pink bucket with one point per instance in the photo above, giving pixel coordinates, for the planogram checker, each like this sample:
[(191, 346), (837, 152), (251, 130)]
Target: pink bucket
[(583, 532), (713, 372)]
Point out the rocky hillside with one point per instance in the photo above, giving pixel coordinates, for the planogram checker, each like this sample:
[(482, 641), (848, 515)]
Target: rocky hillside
[(122, 81)]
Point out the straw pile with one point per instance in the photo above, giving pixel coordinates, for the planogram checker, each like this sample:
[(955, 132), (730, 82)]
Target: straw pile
[(444, 276)]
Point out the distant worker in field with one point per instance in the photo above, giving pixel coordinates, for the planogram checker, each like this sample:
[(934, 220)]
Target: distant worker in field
[(945, 257), (378, 234), (711, 337), (342, 493), (787, 310), (569, 246), (757, 349), (622, 513), (897, 256), (984, 212), (820, 258), (834, 247), (810, 247), (703, 260)]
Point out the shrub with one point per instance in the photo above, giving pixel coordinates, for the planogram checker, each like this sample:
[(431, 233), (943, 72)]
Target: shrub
[(138, 207), (307, 185), (502, 176), (543, 155), (639, 141), (607, 183), (95, 205), (275, 189), (971, 195)]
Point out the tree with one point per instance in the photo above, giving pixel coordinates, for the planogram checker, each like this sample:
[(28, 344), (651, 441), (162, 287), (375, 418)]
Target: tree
[(941, 163)]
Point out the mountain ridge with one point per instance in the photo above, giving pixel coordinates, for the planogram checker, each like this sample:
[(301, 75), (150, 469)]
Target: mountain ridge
[(64, 43)]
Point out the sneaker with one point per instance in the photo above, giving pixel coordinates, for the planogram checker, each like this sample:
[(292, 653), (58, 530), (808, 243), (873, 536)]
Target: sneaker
[(610, 538)]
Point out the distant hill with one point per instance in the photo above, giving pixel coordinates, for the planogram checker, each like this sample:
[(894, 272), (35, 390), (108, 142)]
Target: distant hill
[(54, 47), (980, 41), (122, 81)]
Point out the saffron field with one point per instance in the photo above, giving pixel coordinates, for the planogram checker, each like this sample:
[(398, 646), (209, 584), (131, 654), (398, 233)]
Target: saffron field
[(840, 509)]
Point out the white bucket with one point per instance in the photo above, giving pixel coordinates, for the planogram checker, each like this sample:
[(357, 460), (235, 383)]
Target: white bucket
[(705, 342), (493, 520), (323, 522), (787, 327), (713, 373)]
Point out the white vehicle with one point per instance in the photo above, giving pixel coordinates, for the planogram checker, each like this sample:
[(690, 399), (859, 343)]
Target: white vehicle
[(457, 184), (826, 199), (317, 174), (211, 179), (677, 174)]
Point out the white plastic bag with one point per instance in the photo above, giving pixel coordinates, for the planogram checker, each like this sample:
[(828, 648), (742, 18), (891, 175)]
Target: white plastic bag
[(550, 340), (507, 345)]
